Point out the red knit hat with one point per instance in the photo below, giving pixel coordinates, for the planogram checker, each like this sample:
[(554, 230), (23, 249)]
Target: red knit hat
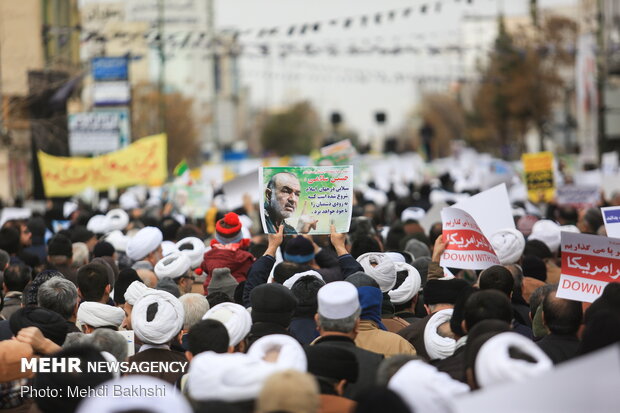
[(228, 229)]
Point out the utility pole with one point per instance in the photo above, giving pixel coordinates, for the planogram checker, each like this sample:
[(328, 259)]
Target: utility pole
[(601, 71), (162, 65), (216, 67)]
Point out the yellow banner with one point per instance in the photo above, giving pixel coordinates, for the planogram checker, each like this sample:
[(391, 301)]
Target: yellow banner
[(538, 168), (141, 163)]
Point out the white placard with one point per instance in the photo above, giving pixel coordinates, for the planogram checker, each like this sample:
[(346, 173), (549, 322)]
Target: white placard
[(491, 209)]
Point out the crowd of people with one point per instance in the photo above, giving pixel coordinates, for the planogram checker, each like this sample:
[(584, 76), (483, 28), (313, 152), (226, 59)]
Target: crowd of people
[(214, 316)]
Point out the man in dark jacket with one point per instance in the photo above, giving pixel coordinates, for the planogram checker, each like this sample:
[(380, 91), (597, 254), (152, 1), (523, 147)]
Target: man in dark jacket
[(338, 319), (273, 306), (260, 270), (562, 318)]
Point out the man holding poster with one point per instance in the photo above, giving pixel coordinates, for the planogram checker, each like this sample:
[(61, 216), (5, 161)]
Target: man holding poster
[(305, 199)]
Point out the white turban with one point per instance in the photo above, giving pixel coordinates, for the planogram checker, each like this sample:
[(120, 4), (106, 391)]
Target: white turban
[(196, 253), (229, 377), (291, 354), (165, 324), (425, 389), (412, 213), (495, 366), (508, 244), (292, 280), (128, 201), (235, 318), (172, 266), (135, 291), (396, 256), (117, 239), (570, 228), (99, 224), (168, 400), (144, 242), (168, 247), (117, 219), (410, 286), (99, 315), (384, 272), (548, 232), (438, 347)]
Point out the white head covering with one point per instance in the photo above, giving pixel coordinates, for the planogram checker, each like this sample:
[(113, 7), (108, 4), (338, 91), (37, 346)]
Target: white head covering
[(229, 377), (494, 365), (438, 347), (109, 357), (412, 213), (410, 286), (170, 400), (235, 318), (117, 239), (196, 253), (166, 323), (570, 228), (117, 219), (173, 266), (99, 224), (425, 389), (291, 353), (168, 247), (292, 280), (395, 256), (135, 290), (384, 272), (508, 244), (548, 232), (144, 242), (128, 201), (338, 300), (99, 315)]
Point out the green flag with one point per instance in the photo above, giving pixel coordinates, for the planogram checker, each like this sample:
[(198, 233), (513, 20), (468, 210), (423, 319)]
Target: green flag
[(181, 168)]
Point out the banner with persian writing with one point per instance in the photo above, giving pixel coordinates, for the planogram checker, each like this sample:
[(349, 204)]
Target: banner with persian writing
[(467, 247), (589, 263), (306, 199), (538, 168), (141, 163)]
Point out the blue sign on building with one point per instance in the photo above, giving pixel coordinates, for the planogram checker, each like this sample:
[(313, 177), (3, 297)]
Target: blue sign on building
[(110, 68)]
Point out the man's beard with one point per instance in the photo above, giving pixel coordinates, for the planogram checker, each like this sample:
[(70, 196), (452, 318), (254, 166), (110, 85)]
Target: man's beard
[(275, 206)]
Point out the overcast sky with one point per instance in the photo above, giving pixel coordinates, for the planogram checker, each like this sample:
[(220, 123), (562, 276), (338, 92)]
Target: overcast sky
[(328, 82)]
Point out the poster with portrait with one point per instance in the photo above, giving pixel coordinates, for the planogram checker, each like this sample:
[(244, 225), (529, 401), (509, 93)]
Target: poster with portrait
[(306, 199)]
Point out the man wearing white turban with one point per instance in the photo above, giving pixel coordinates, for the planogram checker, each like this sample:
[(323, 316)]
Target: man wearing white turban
[(176, 266), (237, 321), (135, 290), (284, 351), (381, 268), (230, 377), (424, 389), (194, 248), (508, 358), (145, 248), (157, 320), (92, 315), (405, 296), (439, 340), (508, 244)]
